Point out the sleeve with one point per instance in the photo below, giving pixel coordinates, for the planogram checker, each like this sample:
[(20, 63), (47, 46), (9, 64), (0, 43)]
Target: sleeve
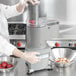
[(10, 11), (6, 47)]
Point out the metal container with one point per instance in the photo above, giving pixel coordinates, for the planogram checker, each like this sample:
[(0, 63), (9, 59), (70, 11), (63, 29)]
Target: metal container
[(33, 11), (38, 35), (10, 60), (63, 53)]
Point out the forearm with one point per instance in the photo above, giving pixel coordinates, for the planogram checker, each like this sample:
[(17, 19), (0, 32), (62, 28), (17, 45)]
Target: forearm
[(17, 52), (28, 56), (21, 5)]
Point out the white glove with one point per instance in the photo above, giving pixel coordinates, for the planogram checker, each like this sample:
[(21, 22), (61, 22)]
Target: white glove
[(31, 57)]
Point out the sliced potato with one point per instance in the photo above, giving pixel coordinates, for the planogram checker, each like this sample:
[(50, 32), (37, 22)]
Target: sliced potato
[(62, 60)]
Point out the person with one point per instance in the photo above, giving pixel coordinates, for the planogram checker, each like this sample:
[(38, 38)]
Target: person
[(6, 47)]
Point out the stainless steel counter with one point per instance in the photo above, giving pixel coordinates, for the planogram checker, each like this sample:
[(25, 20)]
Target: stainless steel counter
[(21, 70)]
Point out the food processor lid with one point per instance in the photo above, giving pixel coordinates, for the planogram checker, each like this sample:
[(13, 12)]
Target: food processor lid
[(43, 21)]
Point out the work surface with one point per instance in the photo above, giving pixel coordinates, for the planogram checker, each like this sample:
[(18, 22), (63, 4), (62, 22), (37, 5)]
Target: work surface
[(21, 70)]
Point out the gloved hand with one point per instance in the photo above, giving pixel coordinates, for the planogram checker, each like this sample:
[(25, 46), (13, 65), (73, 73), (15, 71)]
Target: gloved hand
[(31, 57)]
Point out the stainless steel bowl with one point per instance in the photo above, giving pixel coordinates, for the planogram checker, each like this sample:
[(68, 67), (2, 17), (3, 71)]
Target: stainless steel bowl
[(63, 53), (10, 60)]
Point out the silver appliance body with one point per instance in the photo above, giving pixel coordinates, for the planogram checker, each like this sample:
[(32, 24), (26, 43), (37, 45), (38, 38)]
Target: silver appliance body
[(39, 30), (44, 60), (36, 37)]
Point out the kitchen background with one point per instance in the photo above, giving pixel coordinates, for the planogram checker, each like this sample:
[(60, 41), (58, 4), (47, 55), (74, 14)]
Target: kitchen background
[(62, 10), (59, 10), (56, 9)]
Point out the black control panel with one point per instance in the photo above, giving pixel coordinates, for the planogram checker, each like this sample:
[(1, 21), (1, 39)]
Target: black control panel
[(17, 28)]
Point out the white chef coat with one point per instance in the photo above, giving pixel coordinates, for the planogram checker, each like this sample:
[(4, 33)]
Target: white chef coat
[(5, 13)]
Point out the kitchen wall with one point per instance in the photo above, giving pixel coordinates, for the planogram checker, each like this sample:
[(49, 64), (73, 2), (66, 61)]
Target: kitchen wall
[(71, 12), (62, 10), (57, 9)]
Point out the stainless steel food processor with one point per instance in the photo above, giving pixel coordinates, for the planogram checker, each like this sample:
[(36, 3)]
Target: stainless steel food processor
[(38, 31)]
